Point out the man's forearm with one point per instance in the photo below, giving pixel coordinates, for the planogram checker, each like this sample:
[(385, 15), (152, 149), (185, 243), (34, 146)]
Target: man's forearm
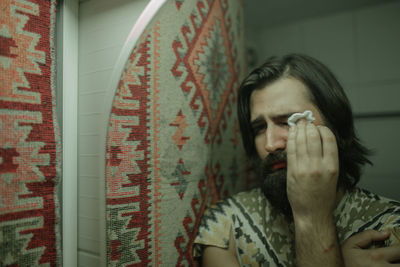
[(317, 243)]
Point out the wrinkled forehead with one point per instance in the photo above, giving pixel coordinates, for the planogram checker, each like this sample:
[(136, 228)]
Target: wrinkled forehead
[(286, 91)]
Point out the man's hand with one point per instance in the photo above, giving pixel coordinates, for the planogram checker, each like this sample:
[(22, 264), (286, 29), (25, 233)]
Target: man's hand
[(312, 174), (313, 169), (356, 253)]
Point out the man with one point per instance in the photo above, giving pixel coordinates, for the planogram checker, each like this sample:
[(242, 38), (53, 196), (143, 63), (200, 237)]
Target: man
[(307, 210)]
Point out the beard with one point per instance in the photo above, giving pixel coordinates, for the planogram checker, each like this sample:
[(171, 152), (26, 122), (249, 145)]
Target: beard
[(273, 182)]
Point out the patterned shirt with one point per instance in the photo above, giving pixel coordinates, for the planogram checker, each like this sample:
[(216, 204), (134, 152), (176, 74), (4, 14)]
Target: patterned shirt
[(264, 237)]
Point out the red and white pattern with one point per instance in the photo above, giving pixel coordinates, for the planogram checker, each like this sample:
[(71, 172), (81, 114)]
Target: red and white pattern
[(173, 144), (29, 137)]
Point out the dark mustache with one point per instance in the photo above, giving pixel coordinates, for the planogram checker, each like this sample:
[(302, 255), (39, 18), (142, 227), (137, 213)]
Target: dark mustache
[(268, 162)]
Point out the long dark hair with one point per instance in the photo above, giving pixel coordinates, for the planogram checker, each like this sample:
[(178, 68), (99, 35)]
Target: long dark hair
[(325, 92)]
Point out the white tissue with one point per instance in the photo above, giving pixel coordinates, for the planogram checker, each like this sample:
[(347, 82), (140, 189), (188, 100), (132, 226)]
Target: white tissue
[(297, 116)]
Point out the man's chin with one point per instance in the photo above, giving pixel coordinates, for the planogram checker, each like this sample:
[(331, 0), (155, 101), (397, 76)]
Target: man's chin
[(274, 189)]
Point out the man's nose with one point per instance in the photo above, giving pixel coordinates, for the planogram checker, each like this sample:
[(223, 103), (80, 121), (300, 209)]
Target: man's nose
[(275, 139)]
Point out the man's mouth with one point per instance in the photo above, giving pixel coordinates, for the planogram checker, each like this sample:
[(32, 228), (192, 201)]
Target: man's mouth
[(279, 165)]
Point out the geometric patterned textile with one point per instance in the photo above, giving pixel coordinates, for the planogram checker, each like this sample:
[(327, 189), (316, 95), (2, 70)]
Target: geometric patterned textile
[(29, 136), (173, 142)]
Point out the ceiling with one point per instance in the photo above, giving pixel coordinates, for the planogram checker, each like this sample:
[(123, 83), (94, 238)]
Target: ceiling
[(267, 13)]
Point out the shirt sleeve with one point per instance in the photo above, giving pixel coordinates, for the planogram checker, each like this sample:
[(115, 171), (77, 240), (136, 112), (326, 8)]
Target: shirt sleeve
[(392, 225), (394, 239), (214, 229)]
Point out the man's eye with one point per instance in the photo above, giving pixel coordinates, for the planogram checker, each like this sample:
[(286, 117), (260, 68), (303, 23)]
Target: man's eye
[(259, 129)]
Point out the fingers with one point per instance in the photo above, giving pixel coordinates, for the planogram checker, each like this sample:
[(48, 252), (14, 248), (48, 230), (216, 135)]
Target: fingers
[(313, 141), (391, 254), (364, 239), (301, 140), (308, 139), (304, 141), (329, 148), (291, 149), (314, 148)]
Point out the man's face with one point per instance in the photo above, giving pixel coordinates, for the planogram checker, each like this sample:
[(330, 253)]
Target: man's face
[(270, 108)]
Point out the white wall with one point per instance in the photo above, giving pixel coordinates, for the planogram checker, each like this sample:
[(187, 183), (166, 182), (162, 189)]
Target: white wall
[(67, 113), (362, 48), (103, 28)]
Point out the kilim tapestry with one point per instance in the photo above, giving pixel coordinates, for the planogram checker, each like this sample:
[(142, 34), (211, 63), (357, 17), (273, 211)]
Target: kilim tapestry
[(173, 142), (29, 137)]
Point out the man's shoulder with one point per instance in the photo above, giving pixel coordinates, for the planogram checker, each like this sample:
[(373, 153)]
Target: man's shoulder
[(360, 203), (364, 199), (361, 209), (237, 203), (380, 213), (254, 193)]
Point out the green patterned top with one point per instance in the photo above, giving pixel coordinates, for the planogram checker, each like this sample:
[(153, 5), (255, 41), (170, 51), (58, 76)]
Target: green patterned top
[(263, 236)]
